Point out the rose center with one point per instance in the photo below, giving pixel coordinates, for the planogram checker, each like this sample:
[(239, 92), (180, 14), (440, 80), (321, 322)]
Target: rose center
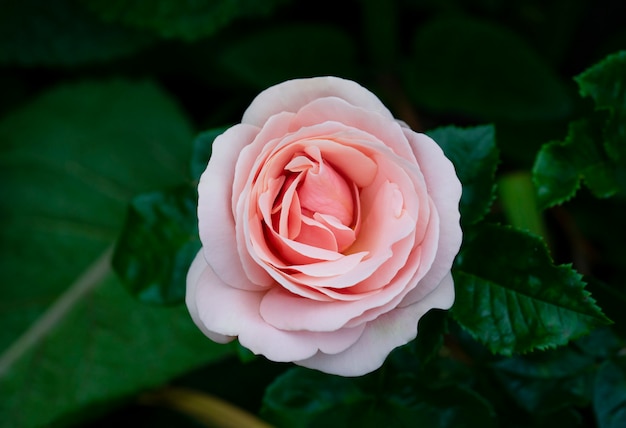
[(322, 189), (315, 204)]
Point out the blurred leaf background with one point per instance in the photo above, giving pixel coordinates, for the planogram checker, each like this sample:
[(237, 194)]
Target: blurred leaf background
[(107, 113)]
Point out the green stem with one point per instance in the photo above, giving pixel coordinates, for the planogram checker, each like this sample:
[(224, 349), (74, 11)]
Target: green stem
[(517, 195)]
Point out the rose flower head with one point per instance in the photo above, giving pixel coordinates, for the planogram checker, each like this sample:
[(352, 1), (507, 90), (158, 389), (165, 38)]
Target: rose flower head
[(328, 228)]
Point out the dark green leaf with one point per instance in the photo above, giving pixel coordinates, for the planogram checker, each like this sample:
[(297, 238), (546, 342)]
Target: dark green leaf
[(545, 382), (299, 394), (104, 346), (188, 20), (61, 33), (605, 83), (71, 162), (474, 154), (609, 394), (461, 65), (273, 55), (560, 166), (201, 153), (302, 398), (157, 245), (512, 297), (450, 407)]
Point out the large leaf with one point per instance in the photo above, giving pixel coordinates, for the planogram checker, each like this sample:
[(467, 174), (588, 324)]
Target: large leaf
[(609, 399), (188, 20), (512, 297), (95, 344), (160, 236), (71, 161), (605, 83), (158, 243), (61, 33), (304, 398), (474, 154), (461, 65)]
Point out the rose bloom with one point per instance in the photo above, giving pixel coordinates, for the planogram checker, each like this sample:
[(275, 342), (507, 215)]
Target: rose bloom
[(328, 229)]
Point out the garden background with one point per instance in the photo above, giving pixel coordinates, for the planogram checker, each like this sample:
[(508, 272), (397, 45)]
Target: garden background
[(107, 112)]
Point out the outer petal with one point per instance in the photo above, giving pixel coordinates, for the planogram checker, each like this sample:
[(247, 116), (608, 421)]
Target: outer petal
[(382, 335), (216, 221), (196, 269), (444, 189), (335, 109), (294, 94), (226, 311)]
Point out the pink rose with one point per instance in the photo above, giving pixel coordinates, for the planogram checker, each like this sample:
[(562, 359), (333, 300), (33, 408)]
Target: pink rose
[(329, 229)]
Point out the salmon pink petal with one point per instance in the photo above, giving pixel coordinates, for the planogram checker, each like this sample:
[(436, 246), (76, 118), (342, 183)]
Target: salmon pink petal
[(292, 95), (382, 335), (315, 234), (344, 235), (324, 191)]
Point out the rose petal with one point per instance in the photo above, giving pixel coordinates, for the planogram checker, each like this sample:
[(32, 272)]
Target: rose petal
[(196, 269), (445, 191), (228, 311), (382, 335), (335, 109), (214, 200), (292, 95)]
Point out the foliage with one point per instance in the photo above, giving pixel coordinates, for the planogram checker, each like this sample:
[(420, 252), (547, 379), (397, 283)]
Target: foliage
[(107, 116)]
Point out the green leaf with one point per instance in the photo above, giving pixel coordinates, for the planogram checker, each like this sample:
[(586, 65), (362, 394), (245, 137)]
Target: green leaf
[(299, 394), (542, 383), (302, 398), (100, 345), (201, 152), (478, 68), (71, 161), (188, 20), (605, 83), (474, 154), (157, 245), (276, 54), (511, 297), (560, 166), (61, 33), (609, 400)]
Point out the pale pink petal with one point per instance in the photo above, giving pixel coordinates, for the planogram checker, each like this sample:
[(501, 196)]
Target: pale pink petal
[(292, 95), (214, 200), (381, 336), (196, 269), (411, 276), (387, 130), (255, 153), (228, 311), (444, 189)]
